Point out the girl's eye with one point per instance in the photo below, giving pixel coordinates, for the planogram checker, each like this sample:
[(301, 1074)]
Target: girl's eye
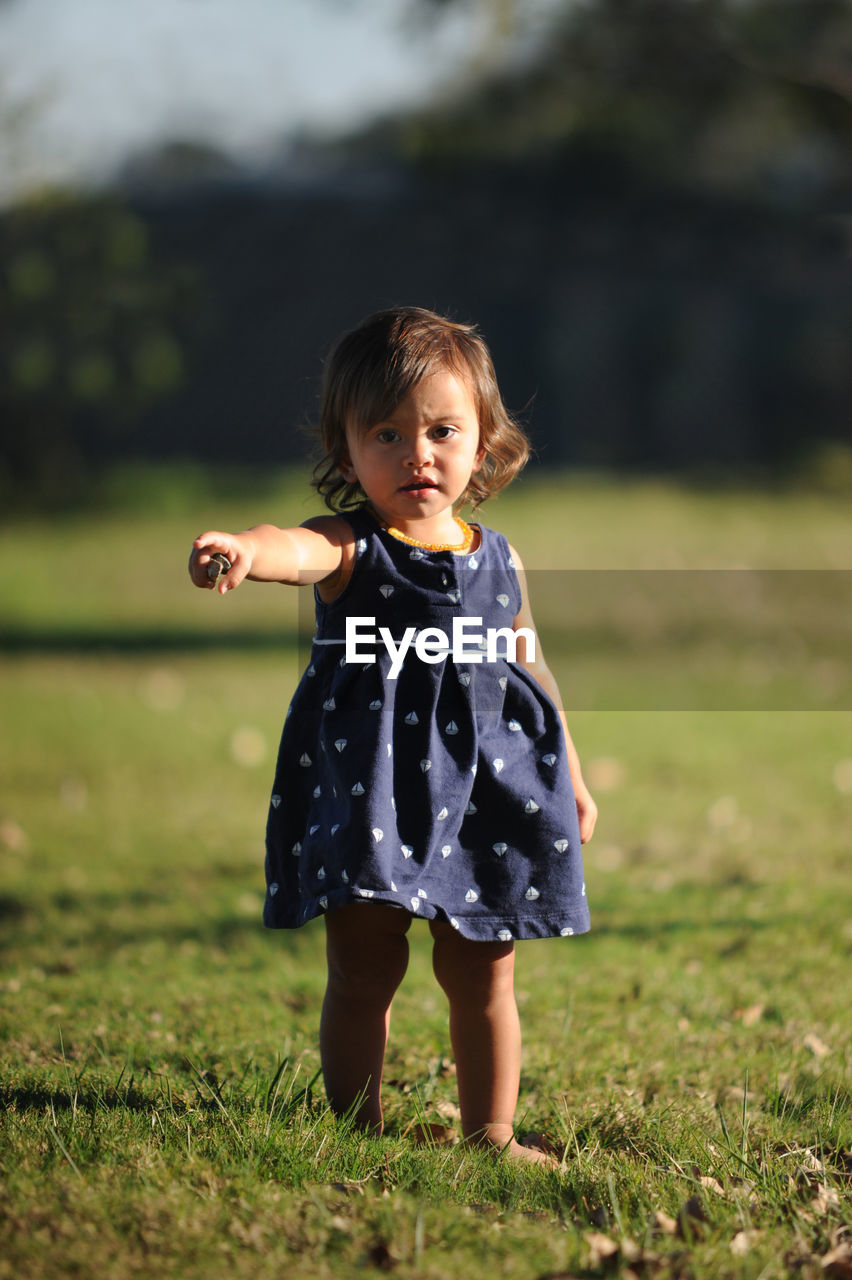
[(387, 436), (444, 432)]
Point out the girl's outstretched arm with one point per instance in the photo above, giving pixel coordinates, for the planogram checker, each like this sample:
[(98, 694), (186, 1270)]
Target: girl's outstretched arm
[(308, 553), (587, 810)]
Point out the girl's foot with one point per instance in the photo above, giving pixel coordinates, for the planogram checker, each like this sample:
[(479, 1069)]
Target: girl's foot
[(514, 1150), (533, 1155)]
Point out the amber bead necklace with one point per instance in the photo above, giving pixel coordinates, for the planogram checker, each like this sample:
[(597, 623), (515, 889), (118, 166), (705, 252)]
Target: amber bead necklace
[(463, 546)]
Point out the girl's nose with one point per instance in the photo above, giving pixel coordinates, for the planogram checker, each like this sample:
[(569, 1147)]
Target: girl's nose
[(420, 452)]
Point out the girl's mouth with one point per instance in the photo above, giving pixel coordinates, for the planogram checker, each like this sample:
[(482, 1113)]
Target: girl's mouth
[(418, 486)]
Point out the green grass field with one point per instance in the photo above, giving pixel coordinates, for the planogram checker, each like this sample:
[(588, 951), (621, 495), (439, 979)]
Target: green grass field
[(162, 1112)]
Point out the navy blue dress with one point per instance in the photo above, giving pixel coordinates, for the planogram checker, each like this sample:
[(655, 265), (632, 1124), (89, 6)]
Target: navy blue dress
[(445, 791)]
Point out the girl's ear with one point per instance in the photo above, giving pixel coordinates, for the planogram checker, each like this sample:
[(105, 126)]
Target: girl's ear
[(478, 459), (347, 470)]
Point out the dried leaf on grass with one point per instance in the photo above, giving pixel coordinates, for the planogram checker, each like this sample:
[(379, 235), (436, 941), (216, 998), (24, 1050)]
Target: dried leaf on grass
[(603, 1249), (751, 1016), (634, 1254), (667, 1225), (825, 1200), (431, 1134), (817, 1047), (809, 1159), (838, 1263), (744, 1241)]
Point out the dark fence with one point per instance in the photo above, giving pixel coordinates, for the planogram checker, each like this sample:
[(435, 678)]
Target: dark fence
[(630, 329)]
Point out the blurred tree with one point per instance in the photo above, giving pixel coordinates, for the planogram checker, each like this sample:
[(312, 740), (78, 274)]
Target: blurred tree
[(502, 22), (749, 95), (92, 330)]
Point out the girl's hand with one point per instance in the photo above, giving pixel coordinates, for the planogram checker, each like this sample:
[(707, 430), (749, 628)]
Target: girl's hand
[(312, 552), (238, 547), (587, 811)]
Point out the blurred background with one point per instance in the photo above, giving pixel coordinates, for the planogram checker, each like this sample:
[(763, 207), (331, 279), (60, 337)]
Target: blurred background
[(645, 204)]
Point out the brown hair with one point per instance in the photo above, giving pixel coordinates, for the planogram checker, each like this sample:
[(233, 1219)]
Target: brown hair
[(375, 366)]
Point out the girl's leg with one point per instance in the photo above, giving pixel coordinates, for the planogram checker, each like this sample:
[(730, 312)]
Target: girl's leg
[(367, 953), (478, 978)]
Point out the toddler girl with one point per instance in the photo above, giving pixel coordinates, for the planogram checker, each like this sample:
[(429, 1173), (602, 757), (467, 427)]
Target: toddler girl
[(425, 767)]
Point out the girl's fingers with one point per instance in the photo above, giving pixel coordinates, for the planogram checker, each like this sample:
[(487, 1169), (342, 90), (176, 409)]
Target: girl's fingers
[(587, 814), (212, 542), (587, 826), (219, 550), (226, 582), (232, 572)]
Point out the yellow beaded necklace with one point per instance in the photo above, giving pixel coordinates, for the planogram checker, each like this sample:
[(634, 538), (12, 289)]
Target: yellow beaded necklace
[(463, 546)]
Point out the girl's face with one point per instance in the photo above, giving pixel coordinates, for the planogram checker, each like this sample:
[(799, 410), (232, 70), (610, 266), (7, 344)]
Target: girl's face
[(415, 465)]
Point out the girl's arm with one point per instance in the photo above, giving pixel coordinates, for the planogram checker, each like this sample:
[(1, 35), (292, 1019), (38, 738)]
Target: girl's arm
[(312, 552), (587, 810)]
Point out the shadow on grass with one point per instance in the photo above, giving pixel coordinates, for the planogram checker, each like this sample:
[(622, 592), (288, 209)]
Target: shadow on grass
[(81, 929), (185, 1089), (103, 938), (140, 640), (94, 911), (199, 1092), (693, 926), (94, 1097)]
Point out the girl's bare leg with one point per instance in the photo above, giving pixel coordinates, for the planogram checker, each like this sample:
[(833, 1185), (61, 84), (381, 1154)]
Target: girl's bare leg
[(367, 953), (478, 978)]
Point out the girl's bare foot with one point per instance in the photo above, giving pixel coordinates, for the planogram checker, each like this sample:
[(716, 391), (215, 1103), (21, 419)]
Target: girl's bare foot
[(514, 1150), (533, 1155)]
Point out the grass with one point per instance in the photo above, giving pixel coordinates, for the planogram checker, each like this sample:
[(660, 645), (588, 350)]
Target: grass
[(162, 1111)]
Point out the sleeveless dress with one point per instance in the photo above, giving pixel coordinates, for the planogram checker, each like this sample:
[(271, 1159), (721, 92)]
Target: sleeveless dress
[(445, 791)]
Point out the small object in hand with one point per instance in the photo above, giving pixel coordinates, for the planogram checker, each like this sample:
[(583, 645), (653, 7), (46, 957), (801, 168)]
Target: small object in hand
[(218, 564)]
